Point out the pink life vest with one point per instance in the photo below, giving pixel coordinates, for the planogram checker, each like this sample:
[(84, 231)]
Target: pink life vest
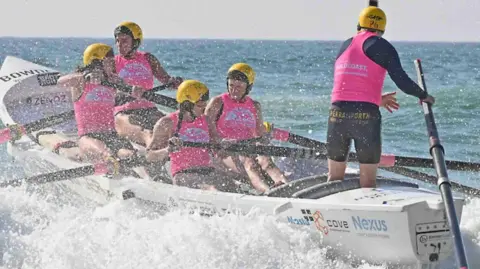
[(94, 109), (238, 120), (135, 71), (356, 77), (196, 131)]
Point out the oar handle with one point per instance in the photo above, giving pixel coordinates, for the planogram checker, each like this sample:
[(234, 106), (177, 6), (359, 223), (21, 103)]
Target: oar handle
[(12, 132)]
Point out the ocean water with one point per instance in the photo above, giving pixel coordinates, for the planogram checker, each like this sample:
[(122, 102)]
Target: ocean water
[(294, 80)]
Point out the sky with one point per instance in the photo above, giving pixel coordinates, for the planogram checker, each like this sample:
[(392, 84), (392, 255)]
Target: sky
[(407, 20)]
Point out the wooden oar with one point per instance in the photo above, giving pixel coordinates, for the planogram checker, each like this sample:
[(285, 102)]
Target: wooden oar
[(444, 184), (111, 166), (14, 131)]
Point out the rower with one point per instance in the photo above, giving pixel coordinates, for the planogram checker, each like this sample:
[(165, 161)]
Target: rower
[(359, 74), (190, 167), (94, 104), (135, 118), (234, 116)]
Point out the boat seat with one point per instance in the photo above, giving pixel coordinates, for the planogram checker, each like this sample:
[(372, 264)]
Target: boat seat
[(333, 187), (287, 190)]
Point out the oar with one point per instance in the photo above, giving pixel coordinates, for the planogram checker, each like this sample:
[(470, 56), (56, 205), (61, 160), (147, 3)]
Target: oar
[(431, 179), (148, 95), (387, 160), (111, 166), (300, 153), (14, 131), (444, 184)]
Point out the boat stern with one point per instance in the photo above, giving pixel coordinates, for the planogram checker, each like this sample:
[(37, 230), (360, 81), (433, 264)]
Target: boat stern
[(431, 236)]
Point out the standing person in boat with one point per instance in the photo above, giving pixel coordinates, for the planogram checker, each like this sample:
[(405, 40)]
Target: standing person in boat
[(190, 167), (234, 116), (94, 105), (359, 74), (297, 168), (135, 118)]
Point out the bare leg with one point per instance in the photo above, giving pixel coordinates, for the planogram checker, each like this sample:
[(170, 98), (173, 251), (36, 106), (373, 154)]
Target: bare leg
[(368, 175), (272, 170), (254, 173), (336, 170), (93, 150), (125, 153), (131, 132), (247, 167)]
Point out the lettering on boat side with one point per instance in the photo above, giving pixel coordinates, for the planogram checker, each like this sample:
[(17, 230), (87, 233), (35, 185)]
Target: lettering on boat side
[(48, 79), (371, 225), (205, 209), (299, 221), (338, 225), (19, 74), (47, 100), (321, 223)]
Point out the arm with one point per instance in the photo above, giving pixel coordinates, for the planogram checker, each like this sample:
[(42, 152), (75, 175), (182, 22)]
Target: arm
[(260, 128), (160, 74), (211, 111), (384, 54), (74, 82), (157, 148)]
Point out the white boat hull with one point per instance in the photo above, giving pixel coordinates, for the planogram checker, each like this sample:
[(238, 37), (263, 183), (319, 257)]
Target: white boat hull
[(395, 223)]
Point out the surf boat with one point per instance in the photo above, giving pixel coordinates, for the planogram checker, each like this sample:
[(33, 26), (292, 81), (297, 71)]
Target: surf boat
[(395, 223)]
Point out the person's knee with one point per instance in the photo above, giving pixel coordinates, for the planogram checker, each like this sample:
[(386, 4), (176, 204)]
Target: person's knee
[(265, 162), (251, 164)]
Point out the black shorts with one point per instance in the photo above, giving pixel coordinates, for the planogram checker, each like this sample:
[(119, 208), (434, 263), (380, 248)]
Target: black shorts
[(112, 141), (194, 177), (144, 117), (357, 121)]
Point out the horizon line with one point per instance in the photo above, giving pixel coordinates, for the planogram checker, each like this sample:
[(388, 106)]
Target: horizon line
[(236, 39)]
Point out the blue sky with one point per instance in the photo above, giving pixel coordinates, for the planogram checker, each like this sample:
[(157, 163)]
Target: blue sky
[(413, 20)]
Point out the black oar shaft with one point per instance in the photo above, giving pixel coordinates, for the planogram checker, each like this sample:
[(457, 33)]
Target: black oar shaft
[(148, 95), (48, 121), (89, 170), (306, 142), (300, 153), (437, 152), (399, 160)]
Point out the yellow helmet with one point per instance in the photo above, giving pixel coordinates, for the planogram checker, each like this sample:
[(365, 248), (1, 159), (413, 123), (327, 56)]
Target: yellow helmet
[(372, 18), (192, 91), (130, 28), (97, 51), (245, 69)]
